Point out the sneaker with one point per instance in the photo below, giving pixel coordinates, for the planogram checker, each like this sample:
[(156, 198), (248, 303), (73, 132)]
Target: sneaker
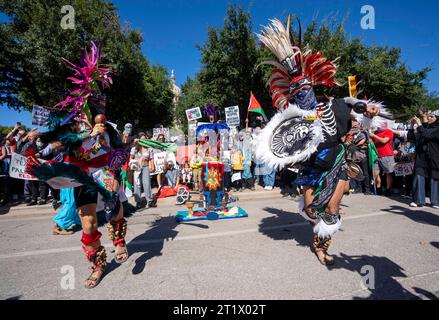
[(435, 207), (268, 188), (152, 204), (413, 205), (31, 203), (42, 202)]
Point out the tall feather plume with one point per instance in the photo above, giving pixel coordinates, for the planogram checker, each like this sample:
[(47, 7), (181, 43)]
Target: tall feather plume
[(282, 43), (277, 39)]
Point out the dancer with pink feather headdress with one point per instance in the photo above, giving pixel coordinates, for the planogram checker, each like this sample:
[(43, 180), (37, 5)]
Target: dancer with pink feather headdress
[(94, 155)]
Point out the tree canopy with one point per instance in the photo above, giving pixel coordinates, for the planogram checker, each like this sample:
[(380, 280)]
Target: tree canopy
[(229, 60), (32, 71)]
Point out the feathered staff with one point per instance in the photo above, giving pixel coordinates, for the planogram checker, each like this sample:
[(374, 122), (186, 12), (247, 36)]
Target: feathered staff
[(90, 77), (296, 69)]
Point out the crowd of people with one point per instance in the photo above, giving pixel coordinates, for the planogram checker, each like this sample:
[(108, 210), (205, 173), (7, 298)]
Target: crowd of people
[(406, 165)]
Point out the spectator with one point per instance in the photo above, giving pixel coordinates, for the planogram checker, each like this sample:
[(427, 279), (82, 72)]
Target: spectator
[(383, 139), (186, 174), (31, 187), (247, 151), (196, 163), (270, 179), (160, 175), (361, 141), (226, 161), (171, 174), (43, 187), (147, 166), (238, 168), (127, 137), (404, 155), (5, 160), (136, 168), (426, 138)]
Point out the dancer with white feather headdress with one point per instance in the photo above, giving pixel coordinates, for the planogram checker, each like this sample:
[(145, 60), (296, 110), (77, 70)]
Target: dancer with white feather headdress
[(308, 133)]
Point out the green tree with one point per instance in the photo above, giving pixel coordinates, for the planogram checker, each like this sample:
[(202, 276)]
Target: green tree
[(33, 44), (192, 96), (229, 70)]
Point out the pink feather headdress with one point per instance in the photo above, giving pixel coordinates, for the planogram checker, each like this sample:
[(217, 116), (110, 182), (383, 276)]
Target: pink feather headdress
[(90, 77)]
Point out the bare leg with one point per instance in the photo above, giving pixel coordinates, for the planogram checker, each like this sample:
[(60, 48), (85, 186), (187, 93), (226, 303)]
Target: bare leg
[(333, 208), (347, 187), (117, 234), (389, 181), (308, 199), (377, 177), (89, 223)]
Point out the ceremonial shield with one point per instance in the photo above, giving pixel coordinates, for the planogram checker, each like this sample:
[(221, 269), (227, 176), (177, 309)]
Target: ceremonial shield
[(291, 136)]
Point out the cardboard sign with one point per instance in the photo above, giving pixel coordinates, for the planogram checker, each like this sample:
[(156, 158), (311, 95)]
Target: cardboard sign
[(40, 116), (232, 116), (159, 161), (17, 168), (404, 169), (193, 114)]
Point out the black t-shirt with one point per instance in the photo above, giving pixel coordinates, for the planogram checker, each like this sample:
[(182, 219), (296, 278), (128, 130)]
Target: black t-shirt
[(338, 123)]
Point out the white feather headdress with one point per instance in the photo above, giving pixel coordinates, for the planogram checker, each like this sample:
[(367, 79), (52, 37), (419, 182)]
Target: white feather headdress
[(375, 122)]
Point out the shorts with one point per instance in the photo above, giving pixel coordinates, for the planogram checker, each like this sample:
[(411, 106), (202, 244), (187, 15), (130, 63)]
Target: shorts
[(385, 164), (84, 196)]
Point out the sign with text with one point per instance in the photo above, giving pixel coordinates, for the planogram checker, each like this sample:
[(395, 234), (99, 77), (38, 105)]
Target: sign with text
[(159, 161), (193, 114), (404, 169), (17, 168), (158, 131), (232, 116), (40, 116)]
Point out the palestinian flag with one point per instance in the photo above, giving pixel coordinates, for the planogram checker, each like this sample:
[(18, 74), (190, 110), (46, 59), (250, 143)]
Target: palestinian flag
[(255, 106)]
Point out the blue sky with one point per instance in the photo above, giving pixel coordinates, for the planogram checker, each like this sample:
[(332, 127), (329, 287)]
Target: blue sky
[(172, 28)]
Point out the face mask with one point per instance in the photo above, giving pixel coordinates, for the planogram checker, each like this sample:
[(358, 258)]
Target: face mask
[(40, 144)]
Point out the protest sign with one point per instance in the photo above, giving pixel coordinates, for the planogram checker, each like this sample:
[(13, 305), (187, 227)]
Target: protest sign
[(404, 169), (40, 116), (17, 168), (232, 116), (236, 177), (158, 131), (193, 114), (159, 161)]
